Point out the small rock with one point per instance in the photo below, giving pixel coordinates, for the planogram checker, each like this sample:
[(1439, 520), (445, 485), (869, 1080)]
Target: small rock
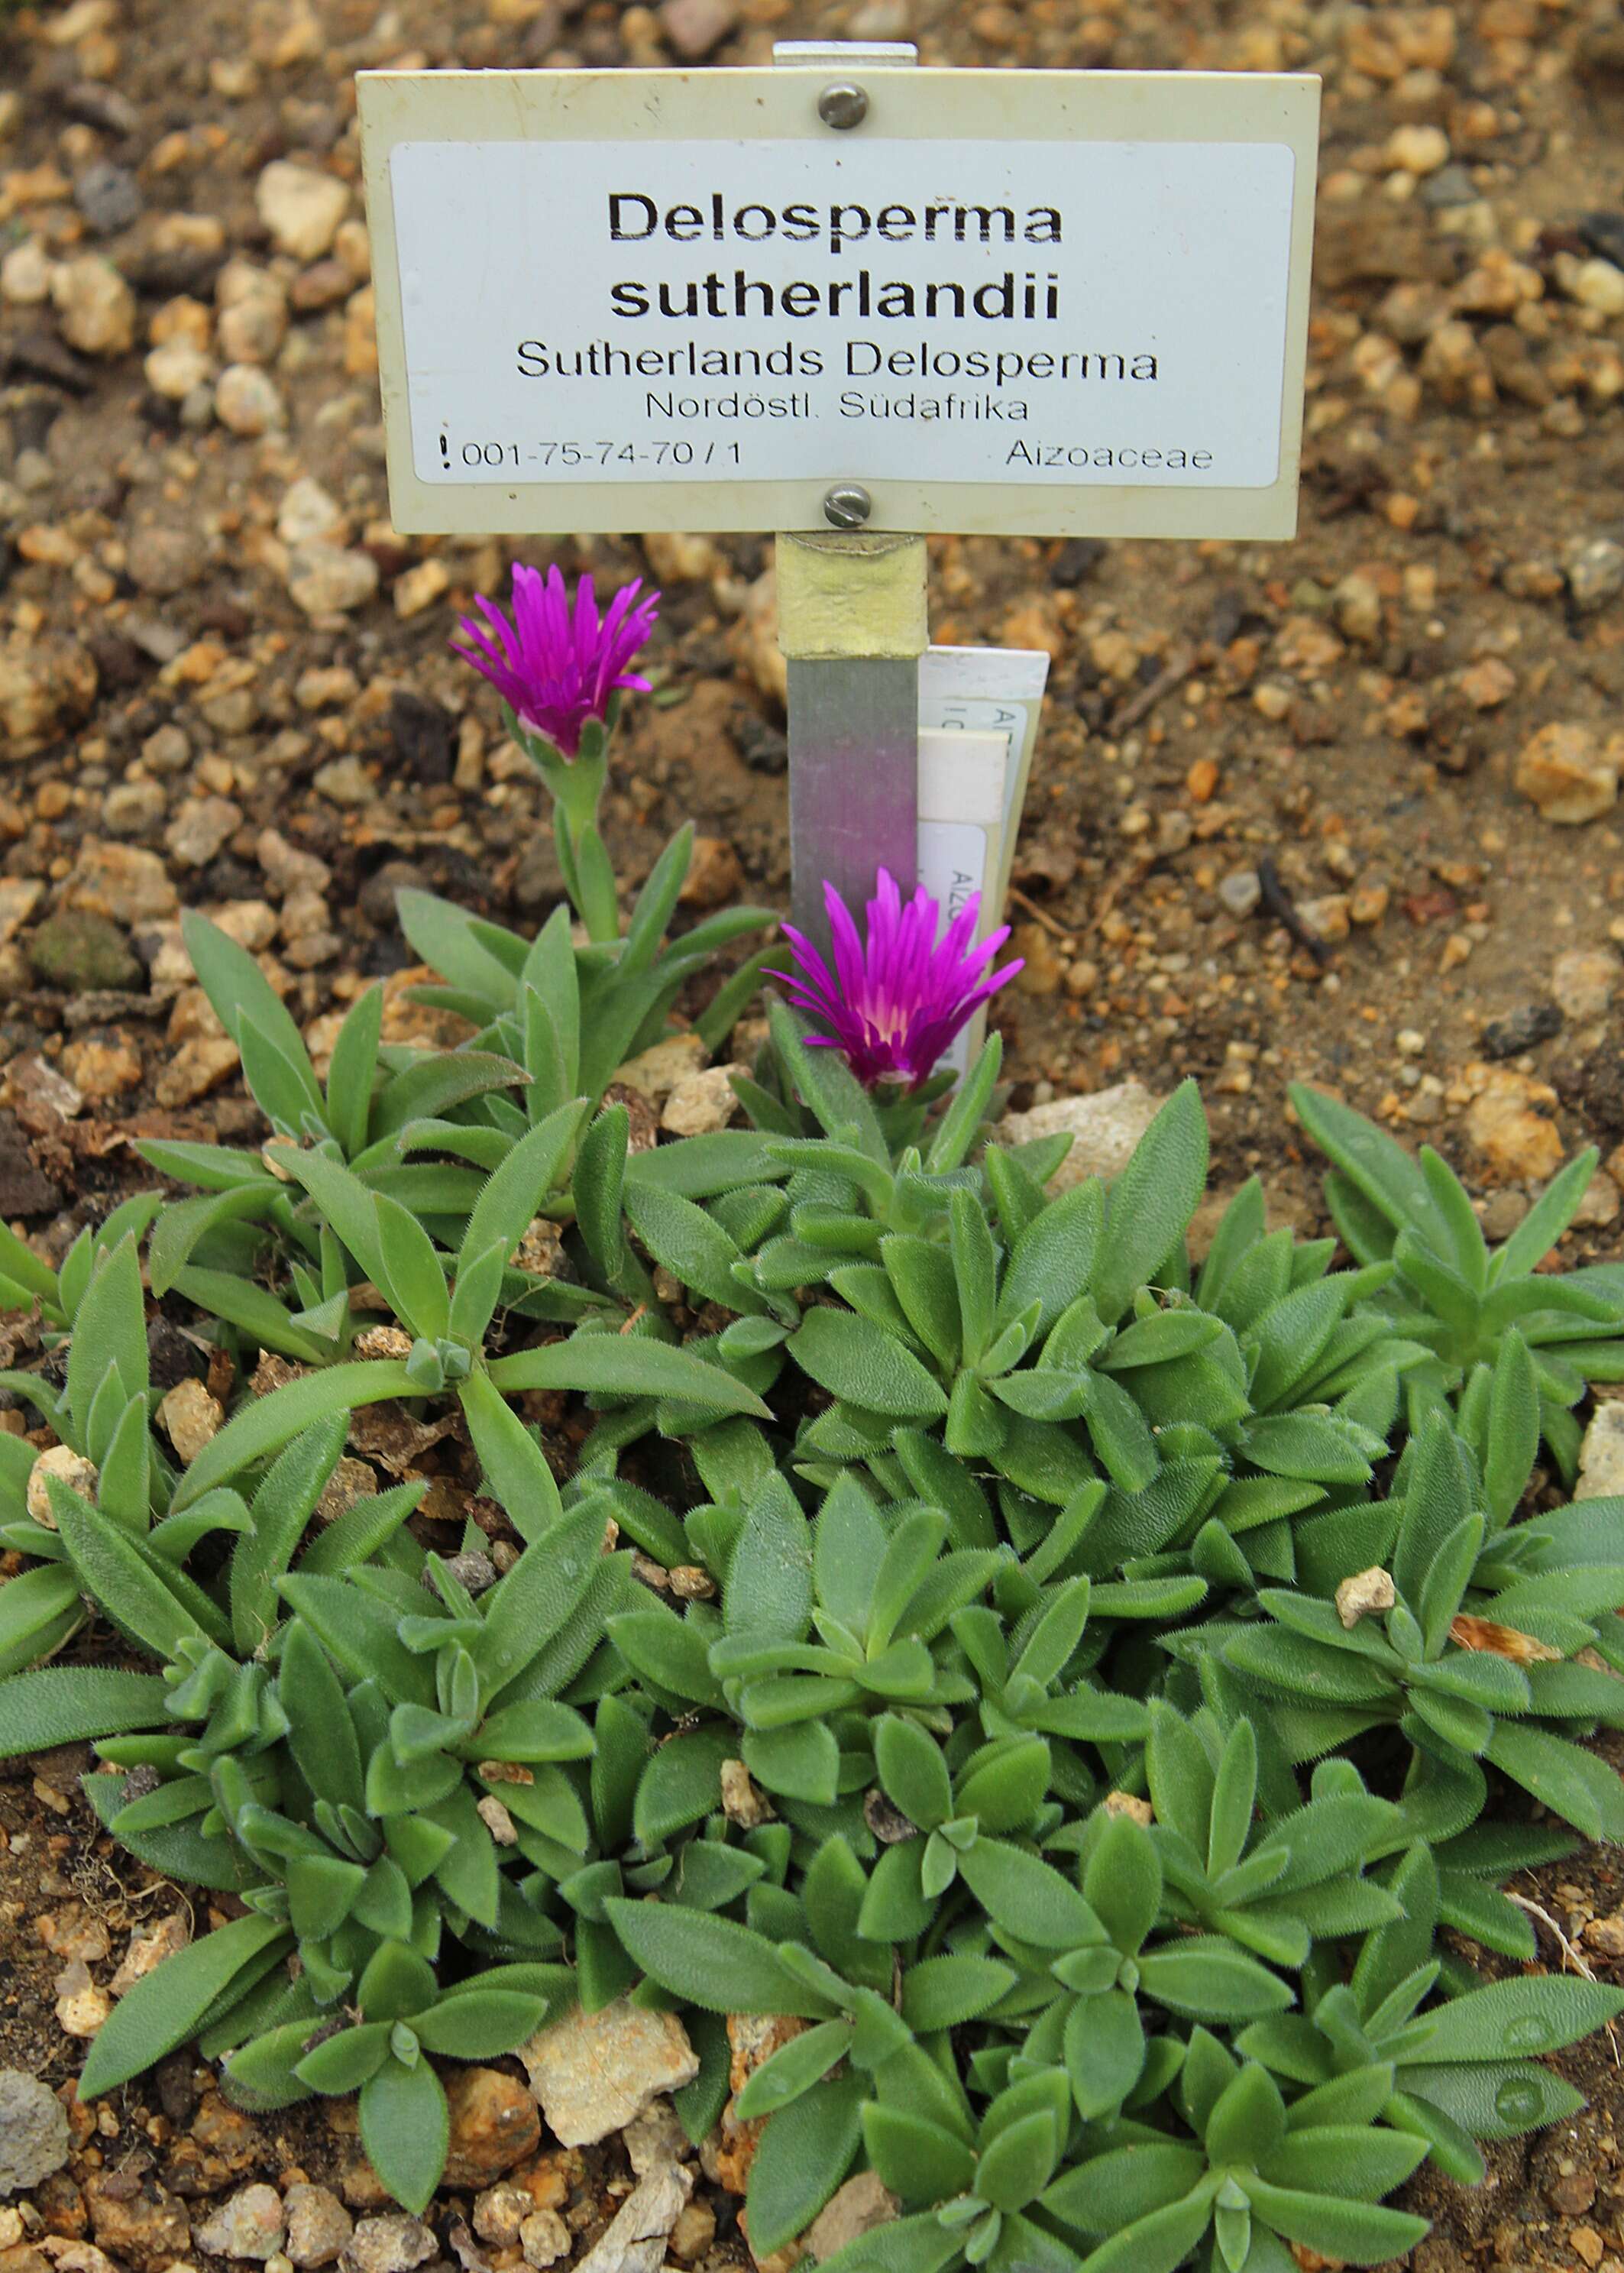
[(694, 2232), (1569, 774), (1584, 982), (248, 400), (636, 2239), (1522, 1028), (715, 874), (1595, 573), (69, 1467), (1606, 1934), (133, 808), (250, 2225), (851, 2210), (1600, 1203), (318, 2226), (1508, 1123), (149, 1946), (1240, 892), (121, 881), (253, 312), (162, 560), (19, 897), (323, 581), (695, 27), (764, 747), (1363, 1594), (1042, 967), (1417, 149), (594, 2072), (289, 870), (34, 2138), (419, 586), (101, 1071), (45, 686), (82, 2007), (345, 782), (1572, 2191), (177, 369), (191, 1418), (544, 2237), (655, 2138), (493, 2125), (501, 2211), (196, 1066), (96, 308), (25, 274), (656, 1072), (308, 513), (743, 1800), (140, 2225), (1598, 284), (301, 207), (1103, 1128), (701, 1102), (108, 196), (393, 2243), (1601, 1455), (80, 953), (1327, 918), (200, 830)]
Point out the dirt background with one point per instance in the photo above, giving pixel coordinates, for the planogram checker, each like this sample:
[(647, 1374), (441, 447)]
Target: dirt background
[(1341, 809)]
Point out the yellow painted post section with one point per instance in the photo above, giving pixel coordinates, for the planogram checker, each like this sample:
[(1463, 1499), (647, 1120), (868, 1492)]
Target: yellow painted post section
[(847, 595)]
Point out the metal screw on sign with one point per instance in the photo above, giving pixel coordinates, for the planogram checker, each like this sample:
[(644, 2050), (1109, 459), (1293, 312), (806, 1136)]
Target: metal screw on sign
[(843, 105), (848, 506)]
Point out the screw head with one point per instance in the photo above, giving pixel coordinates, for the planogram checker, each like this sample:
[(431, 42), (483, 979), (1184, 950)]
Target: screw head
[(843, 105), (848, 506)]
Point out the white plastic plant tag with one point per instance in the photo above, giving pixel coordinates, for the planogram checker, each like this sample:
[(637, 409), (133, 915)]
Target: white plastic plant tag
[(989, 690), (963, 776)]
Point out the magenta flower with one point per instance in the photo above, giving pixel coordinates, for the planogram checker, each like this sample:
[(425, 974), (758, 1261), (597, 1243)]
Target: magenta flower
[(894, 1005), (557, 669)]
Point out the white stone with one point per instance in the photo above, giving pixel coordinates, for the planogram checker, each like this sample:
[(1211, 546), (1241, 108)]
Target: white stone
[(173, 369), (635, 2241), (191, 1418), (69, 1467), (702, 1102), (308, 512), (1599, 285), (1103, 1128), (594, 2073), (247, 400), (1601, 1455), (301, 207), (96, 307), (324, 579), (25, 274)]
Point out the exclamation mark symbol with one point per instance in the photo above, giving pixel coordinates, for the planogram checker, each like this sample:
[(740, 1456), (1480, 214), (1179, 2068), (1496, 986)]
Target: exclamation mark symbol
[(444, 453)]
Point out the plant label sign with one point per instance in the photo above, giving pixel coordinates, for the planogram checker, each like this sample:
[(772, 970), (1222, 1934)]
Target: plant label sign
[(1050, 302)]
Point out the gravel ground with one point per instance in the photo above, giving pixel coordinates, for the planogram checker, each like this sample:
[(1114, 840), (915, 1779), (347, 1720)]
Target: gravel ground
[(1343, 810)]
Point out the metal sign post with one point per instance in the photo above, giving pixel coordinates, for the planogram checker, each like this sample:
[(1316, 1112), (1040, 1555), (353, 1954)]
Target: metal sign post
[(852, 624)]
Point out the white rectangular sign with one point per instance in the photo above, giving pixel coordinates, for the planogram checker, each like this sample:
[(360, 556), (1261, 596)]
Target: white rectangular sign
[(1050, 302)]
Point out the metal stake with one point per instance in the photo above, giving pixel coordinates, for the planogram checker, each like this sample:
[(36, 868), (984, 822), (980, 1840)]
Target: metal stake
[(852, 625)]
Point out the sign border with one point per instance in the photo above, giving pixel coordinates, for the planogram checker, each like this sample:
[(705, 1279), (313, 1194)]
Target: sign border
[(779, 104)]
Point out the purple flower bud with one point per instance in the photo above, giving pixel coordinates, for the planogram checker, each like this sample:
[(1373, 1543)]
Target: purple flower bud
[(556, 668), (895, 1004)]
